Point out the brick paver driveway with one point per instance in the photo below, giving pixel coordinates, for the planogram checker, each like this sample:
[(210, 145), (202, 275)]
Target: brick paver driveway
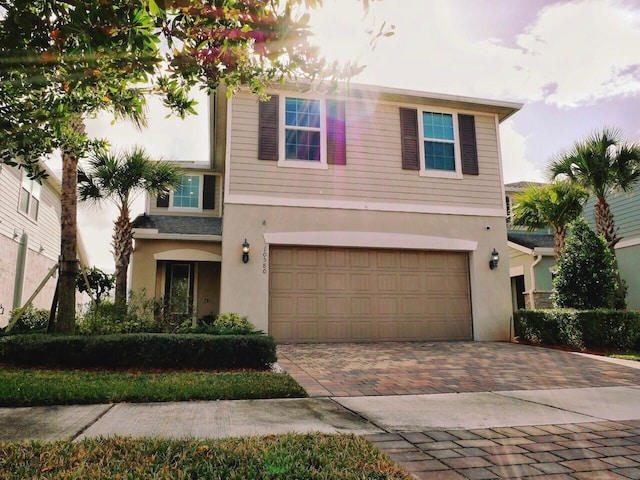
[(407, 368), (594, 450)]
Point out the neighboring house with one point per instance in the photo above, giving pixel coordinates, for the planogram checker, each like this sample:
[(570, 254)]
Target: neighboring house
[(626, 213), (29, 239), (531, 258), (370, 214)]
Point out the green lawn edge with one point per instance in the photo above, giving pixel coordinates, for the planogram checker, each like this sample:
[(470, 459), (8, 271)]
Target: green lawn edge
[(21, 387), (291, 456)]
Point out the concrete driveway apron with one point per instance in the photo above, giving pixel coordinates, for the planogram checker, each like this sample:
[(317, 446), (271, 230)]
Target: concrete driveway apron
[(473, 410)]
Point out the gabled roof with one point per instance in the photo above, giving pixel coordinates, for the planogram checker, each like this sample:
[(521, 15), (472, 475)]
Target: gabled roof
[(519, 186), (532, 240), (179, 224)]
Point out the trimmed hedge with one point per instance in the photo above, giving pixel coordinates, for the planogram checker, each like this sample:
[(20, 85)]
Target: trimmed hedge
[(600, 329), (144, 350)]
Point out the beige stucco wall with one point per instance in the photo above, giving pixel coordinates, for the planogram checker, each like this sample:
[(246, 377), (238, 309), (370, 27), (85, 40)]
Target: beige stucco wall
[(245, 287)]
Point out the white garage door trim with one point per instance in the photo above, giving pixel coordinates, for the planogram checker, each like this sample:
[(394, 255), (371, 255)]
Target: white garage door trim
[(369, 240)]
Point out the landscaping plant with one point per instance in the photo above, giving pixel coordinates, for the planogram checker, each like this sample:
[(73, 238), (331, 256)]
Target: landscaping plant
[(585, 277)]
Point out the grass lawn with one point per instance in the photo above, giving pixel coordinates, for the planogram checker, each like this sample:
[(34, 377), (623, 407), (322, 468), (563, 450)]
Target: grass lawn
[(631, 355), (290, 456), (30, 387)]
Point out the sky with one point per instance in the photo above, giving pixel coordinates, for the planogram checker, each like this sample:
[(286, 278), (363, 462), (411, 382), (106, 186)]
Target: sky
[(575, 65)]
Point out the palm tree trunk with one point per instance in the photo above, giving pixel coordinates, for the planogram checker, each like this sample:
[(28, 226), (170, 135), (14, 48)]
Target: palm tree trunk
[(122, 249), (65, 323), (559, 234), (606, 226)]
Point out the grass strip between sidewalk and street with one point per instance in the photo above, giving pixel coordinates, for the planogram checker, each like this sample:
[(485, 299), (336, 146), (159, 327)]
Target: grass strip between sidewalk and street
[(31, 387), (290, 456)]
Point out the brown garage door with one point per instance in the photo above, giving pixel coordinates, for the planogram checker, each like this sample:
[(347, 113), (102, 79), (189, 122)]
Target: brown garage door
[(353, 294)]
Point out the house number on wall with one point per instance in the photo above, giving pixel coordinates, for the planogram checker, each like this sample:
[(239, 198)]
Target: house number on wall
[(264, 260)]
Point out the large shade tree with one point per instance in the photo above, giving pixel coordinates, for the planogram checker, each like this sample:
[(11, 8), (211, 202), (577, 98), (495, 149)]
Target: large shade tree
[(120, 177), (602, 164), (552, 205), (63, 61)]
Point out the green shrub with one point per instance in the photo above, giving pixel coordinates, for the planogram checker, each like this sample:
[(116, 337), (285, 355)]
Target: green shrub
[(32, 320), (108, 318), (600, 329), (145, 350), (232, 323), (585, 278)]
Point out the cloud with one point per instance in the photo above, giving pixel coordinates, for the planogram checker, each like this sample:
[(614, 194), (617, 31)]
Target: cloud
[(515, 166), (571, 54)]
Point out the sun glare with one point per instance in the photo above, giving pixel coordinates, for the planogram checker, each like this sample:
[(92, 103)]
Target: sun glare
[(339, 31)]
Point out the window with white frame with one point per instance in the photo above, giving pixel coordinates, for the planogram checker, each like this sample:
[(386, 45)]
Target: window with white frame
[(302, 129), (29, 203), (187, 194), (439, 141)]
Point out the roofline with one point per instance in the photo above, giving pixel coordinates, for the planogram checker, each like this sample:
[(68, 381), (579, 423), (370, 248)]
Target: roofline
[(544, 251), (501, 108), (153, 234)]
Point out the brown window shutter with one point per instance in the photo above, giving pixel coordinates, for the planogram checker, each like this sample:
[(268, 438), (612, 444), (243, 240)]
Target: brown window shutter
[(162, 201), (409, 138), (209, 192), (268, 129), (336, 133), (468, 145)]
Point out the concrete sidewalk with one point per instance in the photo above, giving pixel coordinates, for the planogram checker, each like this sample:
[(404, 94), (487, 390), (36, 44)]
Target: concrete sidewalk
[(358, 415)]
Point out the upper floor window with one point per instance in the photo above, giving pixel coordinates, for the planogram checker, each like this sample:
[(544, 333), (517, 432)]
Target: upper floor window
[(195, 193), (302, 129), (29, 203), (187, 193), (302, 132), (438, 143)]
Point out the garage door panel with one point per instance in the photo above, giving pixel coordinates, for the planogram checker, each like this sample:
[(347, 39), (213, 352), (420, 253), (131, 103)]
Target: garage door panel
[(359, 282), (336, 306), (348, 294), (282, 281), (387, 306), (307, 281), (307, 306), (307, 258), (336, 281), (335, 258), (361, 305)]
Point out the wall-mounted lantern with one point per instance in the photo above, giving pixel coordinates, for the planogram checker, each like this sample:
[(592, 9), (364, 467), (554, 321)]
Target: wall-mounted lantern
[(245, 251), (495, 257)]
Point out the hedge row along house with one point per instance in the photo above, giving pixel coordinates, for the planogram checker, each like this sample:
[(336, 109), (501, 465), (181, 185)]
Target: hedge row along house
[(370, 214)]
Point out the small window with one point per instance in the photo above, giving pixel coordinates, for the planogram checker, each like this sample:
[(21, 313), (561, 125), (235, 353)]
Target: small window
[(303, 120), (439, 141), (187, 193), (29, 202)]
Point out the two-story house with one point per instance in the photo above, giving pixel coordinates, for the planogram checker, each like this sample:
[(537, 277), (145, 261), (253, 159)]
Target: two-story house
[(531, 258), (29, 238), (368, 214)]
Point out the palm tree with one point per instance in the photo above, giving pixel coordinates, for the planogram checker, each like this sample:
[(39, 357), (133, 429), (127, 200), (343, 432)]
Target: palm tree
[(552, 205), (120, 177), (602, 164)]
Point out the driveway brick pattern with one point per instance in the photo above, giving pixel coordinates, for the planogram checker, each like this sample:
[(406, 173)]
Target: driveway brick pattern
[(599, 450), (408, 368)]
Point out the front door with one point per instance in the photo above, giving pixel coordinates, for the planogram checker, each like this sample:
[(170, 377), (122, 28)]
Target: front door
[(179, 287)]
